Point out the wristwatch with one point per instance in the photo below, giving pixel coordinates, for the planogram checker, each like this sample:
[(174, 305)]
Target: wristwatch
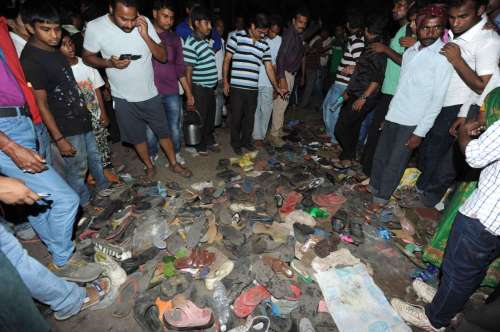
[(363, 97)]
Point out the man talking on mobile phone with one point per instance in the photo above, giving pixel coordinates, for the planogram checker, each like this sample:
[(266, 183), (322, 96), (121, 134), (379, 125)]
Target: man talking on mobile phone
[(135, 96)]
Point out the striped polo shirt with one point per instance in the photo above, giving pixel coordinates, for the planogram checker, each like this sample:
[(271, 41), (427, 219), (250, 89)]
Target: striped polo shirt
[(247, 58), (199, 55), (355, 46)]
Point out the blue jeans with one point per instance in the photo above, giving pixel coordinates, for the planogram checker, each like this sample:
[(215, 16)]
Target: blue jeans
[(363, 131), (87, 158), (469, 252), (42, 135), (173, 110), (330, 116), (62, 296), (263, 112), (53, 218)]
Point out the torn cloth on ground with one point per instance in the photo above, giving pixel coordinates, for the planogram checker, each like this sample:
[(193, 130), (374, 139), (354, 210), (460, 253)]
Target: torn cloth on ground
[(356, 303)]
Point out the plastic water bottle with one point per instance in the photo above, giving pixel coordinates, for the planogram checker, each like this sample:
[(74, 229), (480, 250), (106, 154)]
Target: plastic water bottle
[(221, 305)]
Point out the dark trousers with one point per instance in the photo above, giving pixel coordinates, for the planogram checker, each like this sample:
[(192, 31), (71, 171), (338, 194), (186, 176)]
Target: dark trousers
[(18, 312), (438, 158), (469, 252), (379, 113), (390, 160), (349, 124), (242, 116), (204, 99)]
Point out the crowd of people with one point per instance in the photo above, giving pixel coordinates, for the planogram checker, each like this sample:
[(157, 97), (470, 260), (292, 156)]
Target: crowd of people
[(424, 92)]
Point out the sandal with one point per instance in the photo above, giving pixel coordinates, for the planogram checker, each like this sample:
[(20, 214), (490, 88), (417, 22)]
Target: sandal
[(248, 300), (186, 316), (197, 259), (278, 266), (150, 173), (182, 171), (342, 164), (96, 292)]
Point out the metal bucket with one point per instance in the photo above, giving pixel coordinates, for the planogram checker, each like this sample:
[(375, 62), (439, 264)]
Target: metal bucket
[(192, 129)]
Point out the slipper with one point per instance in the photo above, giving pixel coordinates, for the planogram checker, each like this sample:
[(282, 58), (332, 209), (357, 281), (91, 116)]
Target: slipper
[(291, 201), (254, 324), (212, 234), (175, 285), (278, 266), (136, 284), (195, 233), (329, 200), (218, 274), (248, 300), (198, 258), (356, 231), (185, 315), (147, 313), (342, 164), (181, 170), (95, 293), (232, 235), (278, 232)]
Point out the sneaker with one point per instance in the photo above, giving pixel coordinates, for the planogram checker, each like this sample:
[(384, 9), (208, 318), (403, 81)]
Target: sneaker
[(154, 158), (414, 315), (179, 159), (77, 270), (423, 290)]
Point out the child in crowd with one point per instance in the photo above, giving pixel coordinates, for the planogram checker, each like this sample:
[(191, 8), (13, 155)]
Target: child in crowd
[(90, 81)]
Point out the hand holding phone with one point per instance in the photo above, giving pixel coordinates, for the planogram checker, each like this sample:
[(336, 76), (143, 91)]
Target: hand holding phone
[(130, 57)]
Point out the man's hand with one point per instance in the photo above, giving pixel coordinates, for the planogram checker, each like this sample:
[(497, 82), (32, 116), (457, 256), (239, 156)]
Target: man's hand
[(358, 104), (471, 129), (378, 48), (13, 191), (407, 42), (413, 142), (190, 103), (455, 126), (142, 27), (348, 70), (452, 52), (226, 88), (65, 148), (115, 62), (26, 159), (283, 84)]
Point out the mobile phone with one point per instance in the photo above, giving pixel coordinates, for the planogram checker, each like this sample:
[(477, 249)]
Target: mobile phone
[(130, 56), (44, 195)]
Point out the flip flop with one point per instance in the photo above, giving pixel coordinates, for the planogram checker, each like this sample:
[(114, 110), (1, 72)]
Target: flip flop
[(291, 201), (181, 170), (185, 316), (278, 266), (198, 258), (279, 232), (248, 300)]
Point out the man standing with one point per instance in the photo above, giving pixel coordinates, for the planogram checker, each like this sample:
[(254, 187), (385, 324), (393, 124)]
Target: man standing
[(473, 53), (201, 75), (247, 50), (419, 97), (312, 68), (265, 97), (353, 50), (394, 51), (168, 75), (127, 42), (186, 27), (288, 64), (474, 241), (361, 93)]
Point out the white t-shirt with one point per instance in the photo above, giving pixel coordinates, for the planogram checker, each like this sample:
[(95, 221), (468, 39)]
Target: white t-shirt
[(18, 41), (136, 82), (480, 49), (219, 59), (274, 45), (88, 80)]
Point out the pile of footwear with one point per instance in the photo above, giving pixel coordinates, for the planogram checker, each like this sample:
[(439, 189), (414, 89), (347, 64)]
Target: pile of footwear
[(238, 252)]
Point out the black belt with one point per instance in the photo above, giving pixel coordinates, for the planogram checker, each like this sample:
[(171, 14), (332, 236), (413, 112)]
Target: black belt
[(9, 112)]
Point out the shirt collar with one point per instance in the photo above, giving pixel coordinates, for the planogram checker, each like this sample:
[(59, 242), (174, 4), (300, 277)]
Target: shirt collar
[(469, 35), (436, 46)]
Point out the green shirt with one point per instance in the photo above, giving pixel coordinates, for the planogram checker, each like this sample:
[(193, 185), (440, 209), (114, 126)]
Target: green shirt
[(392, 69), (337, 52)]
